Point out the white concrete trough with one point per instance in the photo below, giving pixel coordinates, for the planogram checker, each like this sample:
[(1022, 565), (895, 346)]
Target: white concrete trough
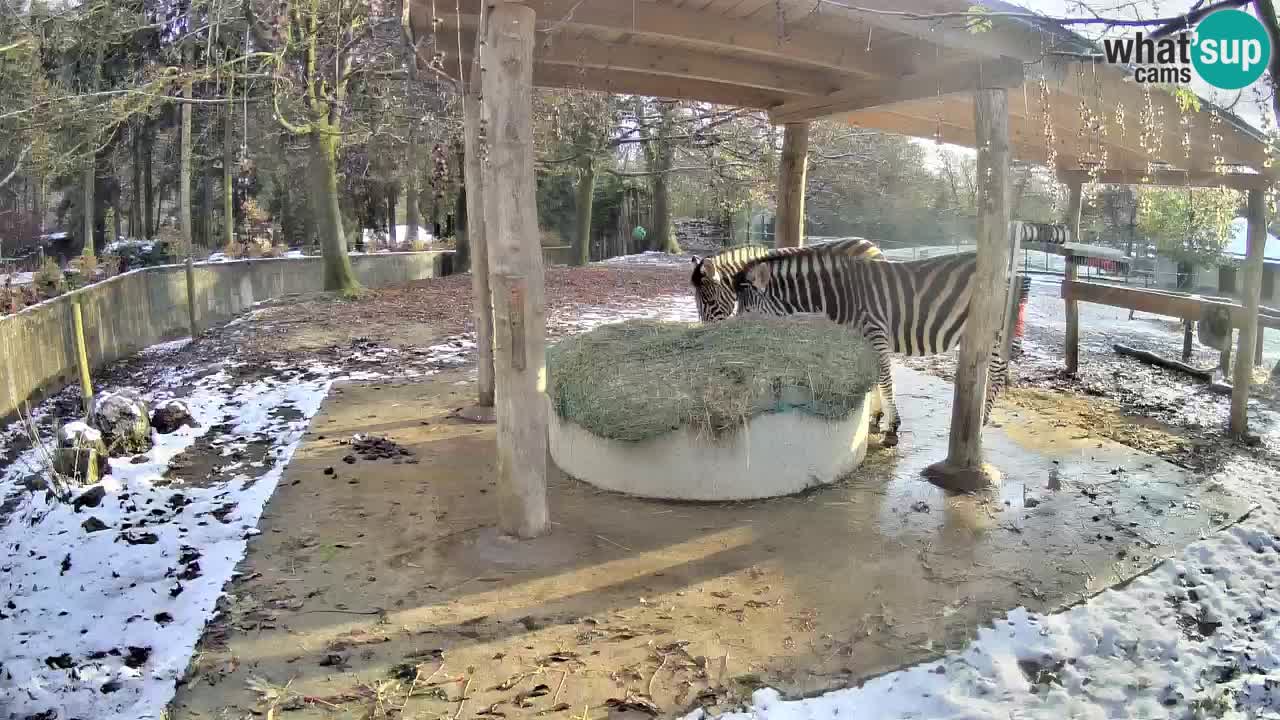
[(740, 410)]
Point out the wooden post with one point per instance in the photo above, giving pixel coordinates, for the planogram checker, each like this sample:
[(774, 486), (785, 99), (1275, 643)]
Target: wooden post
[(1239, 423), (1074, 203), (963, 469), (1188, 337), (794, 164), (482, 302), (1257, 348), (516, 275), (82, 353)]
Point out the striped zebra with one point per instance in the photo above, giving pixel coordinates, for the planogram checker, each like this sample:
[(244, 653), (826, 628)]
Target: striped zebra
[(916, 308), (712, 275)]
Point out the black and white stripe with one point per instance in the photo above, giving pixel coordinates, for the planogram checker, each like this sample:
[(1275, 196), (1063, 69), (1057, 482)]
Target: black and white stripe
[(713, 275), (914, 308)]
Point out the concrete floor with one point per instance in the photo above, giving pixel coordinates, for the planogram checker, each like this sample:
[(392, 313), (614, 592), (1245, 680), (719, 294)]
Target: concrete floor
[(382, 590)]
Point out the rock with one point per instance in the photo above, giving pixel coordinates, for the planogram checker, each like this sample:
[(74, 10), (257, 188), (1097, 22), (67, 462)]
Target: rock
[(171, 415), (124, 422), (93, 525), (90, 498), (81, 455)]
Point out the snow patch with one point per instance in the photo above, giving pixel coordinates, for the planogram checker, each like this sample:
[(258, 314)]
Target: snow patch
[(105, 601)]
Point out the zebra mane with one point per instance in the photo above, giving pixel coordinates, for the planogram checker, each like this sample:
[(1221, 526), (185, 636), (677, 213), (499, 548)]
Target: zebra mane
[(725, 260)]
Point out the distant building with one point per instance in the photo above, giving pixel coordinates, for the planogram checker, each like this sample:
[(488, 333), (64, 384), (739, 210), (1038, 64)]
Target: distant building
[(1227, 279)]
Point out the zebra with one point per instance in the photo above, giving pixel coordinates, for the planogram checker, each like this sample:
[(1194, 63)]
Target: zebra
[(711, 277), (916, 307)]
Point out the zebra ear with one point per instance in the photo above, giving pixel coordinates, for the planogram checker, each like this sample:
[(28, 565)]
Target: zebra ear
[(708, 269), (758, 275)]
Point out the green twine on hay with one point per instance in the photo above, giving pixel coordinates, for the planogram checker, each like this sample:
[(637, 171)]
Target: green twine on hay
[(639, 379)]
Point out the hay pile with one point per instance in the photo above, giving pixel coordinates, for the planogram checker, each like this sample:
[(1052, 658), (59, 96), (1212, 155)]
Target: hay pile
[(639, 379)]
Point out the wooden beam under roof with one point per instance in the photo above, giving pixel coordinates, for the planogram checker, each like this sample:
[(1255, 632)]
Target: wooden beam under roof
[(800, 46), (627, 82), (934, 82), (592, 54)]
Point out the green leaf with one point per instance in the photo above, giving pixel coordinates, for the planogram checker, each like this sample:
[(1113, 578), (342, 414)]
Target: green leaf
[(1187, 99), (978, 24)]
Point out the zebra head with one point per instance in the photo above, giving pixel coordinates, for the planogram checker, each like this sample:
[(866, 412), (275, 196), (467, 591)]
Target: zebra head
[(711, 291), (751, 285)]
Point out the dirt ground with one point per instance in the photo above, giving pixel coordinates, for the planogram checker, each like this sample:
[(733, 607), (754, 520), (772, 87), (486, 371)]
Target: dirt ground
[(379, 588)]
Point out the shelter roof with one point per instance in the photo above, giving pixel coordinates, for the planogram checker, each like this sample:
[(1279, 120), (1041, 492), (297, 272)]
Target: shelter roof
[(876, 65)]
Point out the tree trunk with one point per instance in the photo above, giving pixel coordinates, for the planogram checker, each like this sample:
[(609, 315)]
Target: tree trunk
[(116, 229), (391, 213), (148, 185), (586, 192), (792, 171), (338, 274), (663, 238), (87, 180), (39, 202), (135, 207), (184, 171), (207, 233), (228, 181), (462, 236), (411, 187)]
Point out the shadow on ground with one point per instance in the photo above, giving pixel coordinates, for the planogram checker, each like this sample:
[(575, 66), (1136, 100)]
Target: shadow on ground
[(380, 588)]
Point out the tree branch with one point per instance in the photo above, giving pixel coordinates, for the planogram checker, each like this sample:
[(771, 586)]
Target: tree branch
[(17, 165)]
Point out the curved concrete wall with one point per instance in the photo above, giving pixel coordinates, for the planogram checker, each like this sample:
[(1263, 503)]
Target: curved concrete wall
[(132, 311), (774, 454)]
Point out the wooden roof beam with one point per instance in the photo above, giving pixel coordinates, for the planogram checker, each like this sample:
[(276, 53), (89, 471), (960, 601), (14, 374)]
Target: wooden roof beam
[(627, 82), (800, 46), (1169, 177), (705, 66), (969, 77)]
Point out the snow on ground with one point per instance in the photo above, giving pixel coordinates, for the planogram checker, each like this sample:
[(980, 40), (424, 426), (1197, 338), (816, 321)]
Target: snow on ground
[(1198, 637), (91, 624), (371, 236), (648, 258), (105, 597), (22, 278)]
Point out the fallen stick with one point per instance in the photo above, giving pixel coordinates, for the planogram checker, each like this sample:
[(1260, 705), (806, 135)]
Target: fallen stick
[(1153, 359)]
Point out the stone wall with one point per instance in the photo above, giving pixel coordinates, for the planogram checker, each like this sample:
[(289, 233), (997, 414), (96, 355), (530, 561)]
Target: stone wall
[(141, 308)]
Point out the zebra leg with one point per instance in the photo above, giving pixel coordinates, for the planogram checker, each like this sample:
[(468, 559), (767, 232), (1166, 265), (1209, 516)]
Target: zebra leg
[(877, 411), (997, 379), (888, 405)]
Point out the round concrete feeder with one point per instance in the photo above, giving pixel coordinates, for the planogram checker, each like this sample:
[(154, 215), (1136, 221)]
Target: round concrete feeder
[(773, 454)]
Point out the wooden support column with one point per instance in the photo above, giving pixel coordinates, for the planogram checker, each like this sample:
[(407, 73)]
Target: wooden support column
[(788, 231), (963, 469), (516, 276), (481, 300), (1239, 423), (1074, 203), (1188, 339)]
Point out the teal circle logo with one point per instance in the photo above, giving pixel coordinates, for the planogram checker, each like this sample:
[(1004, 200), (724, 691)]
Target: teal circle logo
[(1232, 49)]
